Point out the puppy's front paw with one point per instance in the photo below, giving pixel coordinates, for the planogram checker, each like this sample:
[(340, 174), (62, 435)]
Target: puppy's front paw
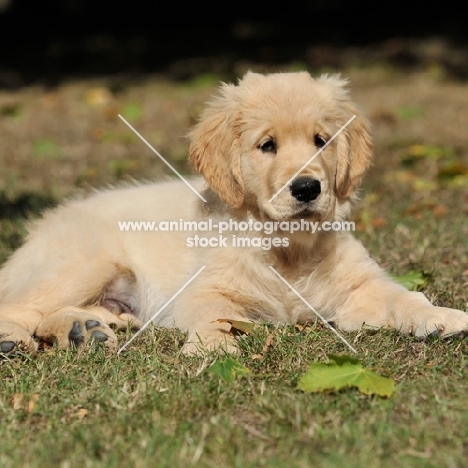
[(14, 337), (441, 321), (218, 341)]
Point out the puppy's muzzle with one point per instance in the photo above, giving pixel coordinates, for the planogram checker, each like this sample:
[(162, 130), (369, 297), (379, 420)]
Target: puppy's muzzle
[(305, 189)]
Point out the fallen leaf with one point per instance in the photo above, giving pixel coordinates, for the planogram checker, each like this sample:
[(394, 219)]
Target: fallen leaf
[(228, 369), (18, 400), (81, 413), (21, 401), (236, 325), (33, 399), (413, 280), (268, 343), (344, 372)]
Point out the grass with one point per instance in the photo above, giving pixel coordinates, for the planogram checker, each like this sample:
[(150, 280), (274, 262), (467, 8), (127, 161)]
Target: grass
[(151, 406)]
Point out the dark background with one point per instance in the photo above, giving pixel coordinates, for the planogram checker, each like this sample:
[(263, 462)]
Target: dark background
[(49, 40)]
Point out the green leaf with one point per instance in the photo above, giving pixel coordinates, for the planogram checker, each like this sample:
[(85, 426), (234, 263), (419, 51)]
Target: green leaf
[(344, 372), (413, 280), (229, 369)]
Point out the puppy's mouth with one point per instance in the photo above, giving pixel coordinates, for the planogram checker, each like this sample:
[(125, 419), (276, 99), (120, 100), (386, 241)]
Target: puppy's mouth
[(305, 213), (287, 211)]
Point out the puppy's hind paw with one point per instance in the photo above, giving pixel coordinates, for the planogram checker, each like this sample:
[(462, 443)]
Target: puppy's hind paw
[(14, 337)]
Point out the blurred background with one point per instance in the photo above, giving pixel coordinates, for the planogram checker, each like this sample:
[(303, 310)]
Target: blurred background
[(51, 40), (69, 67)]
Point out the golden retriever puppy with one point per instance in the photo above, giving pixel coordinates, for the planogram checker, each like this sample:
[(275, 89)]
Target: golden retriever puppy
[(282, 156)]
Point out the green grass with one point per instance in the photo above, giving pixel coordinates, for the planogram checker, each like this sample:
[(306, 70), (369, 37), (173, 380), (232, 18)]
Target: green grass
[(151, 406)]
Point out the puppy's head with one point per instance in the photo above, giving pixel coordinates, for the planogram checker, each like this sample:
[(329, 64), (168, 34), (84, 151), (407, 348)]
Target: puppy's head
[(284, 145)]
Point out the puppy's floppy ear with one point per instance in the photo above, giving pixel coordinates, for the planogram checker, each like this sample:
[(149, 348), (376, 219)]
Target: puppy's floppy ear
[(354, 142), (354, 153), (214, 147)]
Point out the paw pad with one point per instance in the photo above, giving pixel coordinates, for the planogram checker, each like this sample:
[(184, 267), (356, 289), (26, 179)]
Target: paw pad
[(76, 336), (99, 336), (91, 324), (7, 346)]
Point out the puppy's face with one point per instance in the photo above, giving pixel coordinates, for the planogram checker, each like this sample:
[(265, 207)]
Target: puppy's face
[(265, 144), (287, 173)]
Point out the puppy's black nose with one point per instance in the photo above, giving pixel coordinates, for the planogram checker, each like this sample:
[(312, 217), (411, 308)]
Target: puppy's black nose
[(305, 189)]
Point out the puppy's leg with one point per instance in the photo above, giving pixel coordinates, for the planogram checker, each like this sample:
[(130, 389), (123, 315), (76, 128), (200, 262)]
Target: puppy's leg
[(67, 260), (382, 303), (38, 307), (74, 326), (47, 319), (198, 314), (360, 292)]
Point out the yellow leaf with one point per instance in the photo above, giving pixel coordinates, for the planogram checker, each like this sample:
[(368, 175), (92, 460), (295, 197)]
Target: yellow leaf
[(18, 400), (33, 399), (238, 326), (268, 343), (81, 413), (21, 401)]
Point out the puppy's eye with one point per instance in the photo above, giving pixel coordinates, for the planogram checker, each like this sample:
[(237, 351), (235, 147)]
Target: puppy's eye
[(319, 141), (268, 147)]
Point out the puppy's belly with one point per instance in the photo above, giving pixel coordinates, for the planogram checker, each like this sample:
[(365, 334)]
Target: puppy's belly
[(147, 225), (162, 264)]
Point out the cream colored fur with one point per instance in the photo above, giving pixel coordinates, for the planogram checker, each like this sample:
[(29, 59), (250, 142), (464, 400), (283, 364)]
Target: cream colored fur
[(78, 275)]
